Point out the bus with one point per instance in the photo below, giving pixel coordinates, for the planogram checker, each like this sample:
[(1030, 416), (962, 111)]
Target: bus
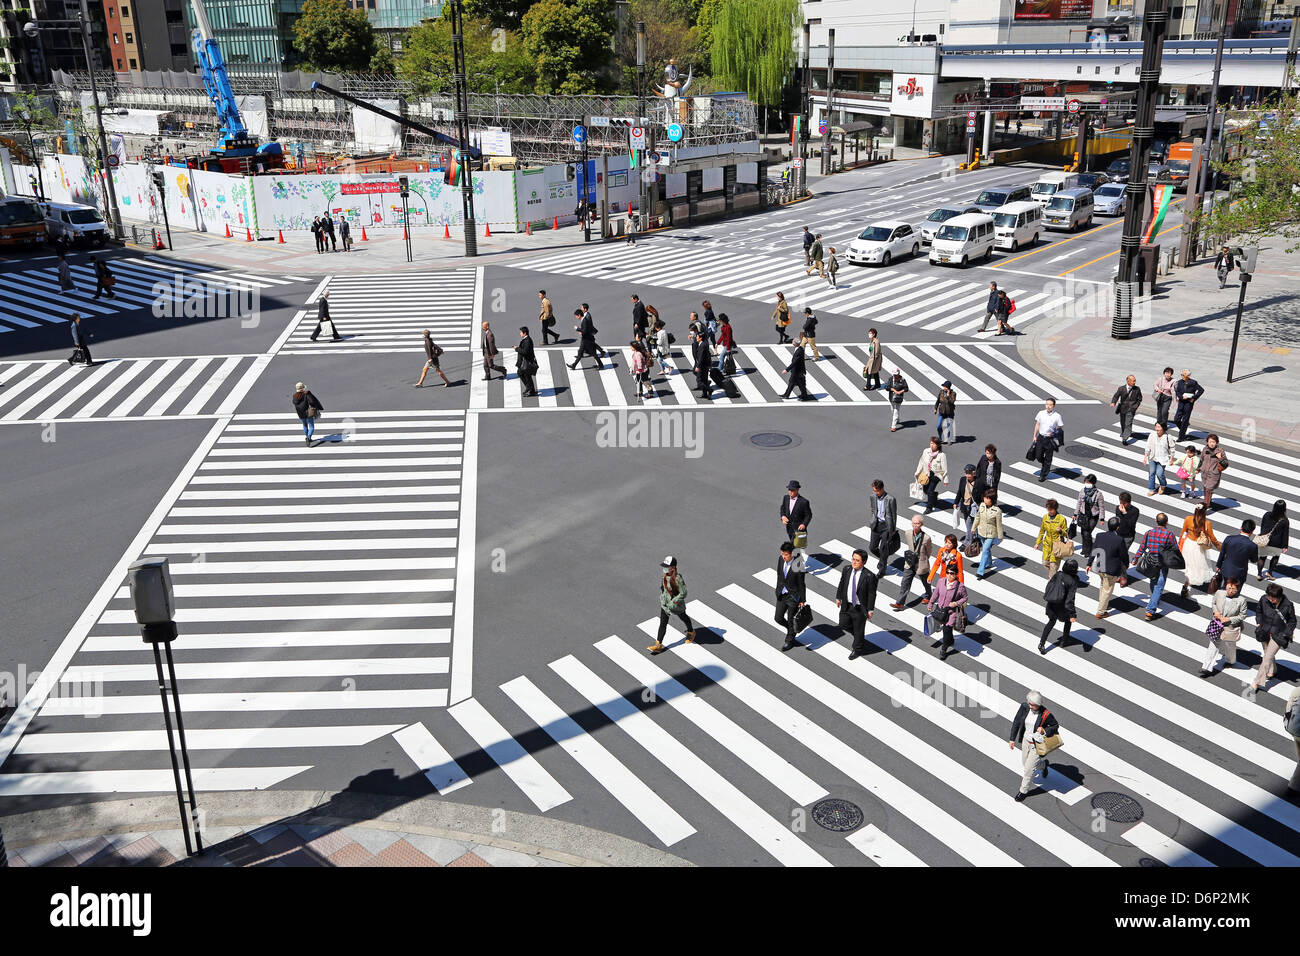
[(22, 224)]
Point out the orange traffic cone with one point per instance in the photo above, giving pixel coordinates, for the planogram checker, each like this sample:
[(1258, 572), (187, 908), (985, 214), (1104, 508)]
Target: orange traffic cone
[(248, 234), (404, 235), (280, 240), (555, 222), (528, 228), (487, 229), (228, 235), (363, 234), (629, 207), (446, 230), (157, 241)]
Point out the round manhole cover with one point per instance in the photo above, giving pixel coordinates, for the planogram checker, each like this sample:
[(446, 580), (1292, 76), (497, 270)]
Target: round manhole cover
[(838, 815), (771, 439), (1117, 807), (1148, 862), (1083, 451)]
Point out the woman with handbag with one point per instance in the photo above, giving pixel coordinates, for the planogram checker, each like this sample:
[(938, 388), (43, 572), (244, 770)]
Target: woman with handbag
[(1187, 467), (948, 608), (948, 556), (964, 505), (1059, 602), (931, 468), (308, 408), (1213, 463), (988, 528), (1227, 615), (1053, 536), (1273, 539), (1037, 733), (781, 318), (1274, 625), (672, 600), (1196, 538), (640, 369)]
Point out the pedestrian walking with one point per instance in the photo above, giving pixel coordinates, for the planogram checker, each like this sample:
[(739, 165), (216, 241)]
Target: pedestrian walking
[(1089, 511), (65, 274), (991, 307), (1157, 456), (949, 556), (1128, 514), (1058, 598), (1274, 625), (797, 370), (1018, 127), (1031, 729), (640, 371), (1238, 553), (988, 528), (1005, 307), (308, 408), (1227, 617), (664, 349), (1125, 401), (1274, 539), (1197, 538), (833, 268), (945, 410), (345, 233), (807, 247), (1186, 390), (965, 503), (1163, 393), (586, 330), (80, 343), (781, 319), (789, 592), (875, 360), (104, 280), (1049, 434), (1293, 727), (631, 230), (817, 255), (1223, 265), (884, 525), (525, 363), (1214, 461), (318, 234), (672, 601), (796, 513), (1155, 546), (323, 320), (327, 224), (988, 471), (918, 551), (432, 352), (856, 599), (1053, 536), (1188, 468), (546, 318), (808, 335), (702, 365), (640, 317), (932, 468), (726, 346), (710, 323), (1110, 555), (897, 392), (488, 344), (948, 609)]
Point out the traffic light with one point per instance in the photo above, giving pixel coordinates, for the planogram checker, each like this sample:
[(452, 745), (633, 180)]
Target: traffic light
[(569, 174)]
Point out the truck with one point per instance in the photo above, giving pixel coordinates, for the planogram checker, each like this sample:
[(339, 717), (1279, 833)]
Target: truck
[(22, 223)]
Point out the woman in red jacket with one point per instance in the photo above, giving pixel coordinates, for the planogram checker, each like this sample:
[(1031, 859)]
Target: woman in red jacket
[(726, 341)]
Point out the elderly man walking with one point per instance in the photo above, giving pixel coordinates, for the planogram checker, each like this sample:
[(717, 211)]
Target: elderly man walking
[(1032, 725)]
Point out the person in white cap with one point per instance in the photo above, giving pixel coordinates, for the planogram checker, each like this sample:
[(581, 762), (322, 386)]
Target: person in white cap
[(1033, 723), (672, 600)]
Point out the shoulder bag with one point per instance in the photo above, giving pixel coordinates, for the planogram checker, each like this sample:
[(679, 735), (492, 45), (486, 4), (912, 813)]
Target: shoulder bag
[(1048, 744)]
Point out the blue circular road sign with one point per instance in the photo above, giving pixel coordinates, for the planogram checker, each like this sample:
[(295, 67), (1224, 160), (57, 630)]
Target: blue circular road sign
[(675, 132), (579, 134)]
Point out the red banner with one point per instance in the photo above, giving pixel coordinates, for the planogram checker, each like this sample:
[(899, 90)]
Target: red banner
[(1053, 9), (366, 189)]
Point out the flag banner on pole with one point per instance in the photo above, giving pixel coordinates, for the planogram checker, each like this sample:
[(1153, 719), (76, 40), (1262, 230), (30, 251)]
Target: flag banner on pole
[(1161, 195)]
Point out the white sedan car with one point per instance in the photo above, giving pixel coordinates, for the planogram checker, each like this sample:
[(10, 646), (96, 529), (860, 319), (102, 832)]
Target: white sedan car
[(882, 242)]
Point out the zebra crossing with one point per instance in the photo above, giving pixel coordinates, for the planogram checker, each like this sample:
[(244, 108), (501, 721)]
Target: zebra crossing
[(31, 298), (981, 372), (315, 592), (144, 388), (729, 735), (933, 299), (387, 312)]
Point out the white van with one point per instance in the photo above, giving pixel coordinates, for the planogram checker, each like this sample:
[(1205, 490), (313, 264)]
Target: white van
[(1017, 224), (73, 223), (1069, 209), (1049, 184), (963, 239)]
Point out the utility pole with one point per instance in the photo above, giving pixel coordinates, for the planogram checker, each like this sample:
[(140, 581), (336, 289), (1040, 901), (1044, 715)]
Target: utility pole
[(583, 207), (114, 217), (462, 125), (805, 100), (988, 120), (1209, 127), (643, 196), (828, 165), (1155, 24)]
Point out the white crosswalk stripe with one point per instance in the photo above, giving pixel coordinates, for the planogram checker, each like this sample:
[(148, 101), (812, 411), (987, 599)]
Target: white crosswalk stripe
[(118, 388), (288, 627), (386, 312), (929, 299), (981, 372)]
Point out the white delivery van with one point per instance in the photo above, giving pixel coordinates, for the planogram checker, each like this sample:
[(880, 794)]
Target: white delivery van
[(1069, 209), (1017, 224), (73, 223), (963, 239), (1049, 184)]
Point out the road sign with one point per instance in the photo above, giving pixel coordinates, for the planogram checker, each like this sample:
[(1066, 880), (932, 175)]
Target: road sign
[(579, 134), (970, 124), (796, 162), (1042, 102), (653, 159), (1073, 106), (598, 121), (970, 115), (675, 132), (113, 160), (821, 129), (636, 137)]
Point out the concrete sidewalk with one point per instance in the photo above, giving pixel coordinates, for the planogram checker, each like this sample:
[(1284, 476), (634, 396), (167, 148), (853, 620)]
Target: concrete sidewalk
[(312, 828), (1189, 324)]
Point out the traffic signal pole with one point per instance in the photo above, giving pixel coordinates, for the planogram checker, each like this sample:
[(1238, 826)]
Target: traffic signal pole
[(805, 106), (462, 126)]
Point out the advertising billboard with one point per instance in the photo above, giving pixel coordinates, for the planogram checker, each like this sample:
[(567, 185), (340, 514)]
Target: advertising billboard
[(1053, 9)]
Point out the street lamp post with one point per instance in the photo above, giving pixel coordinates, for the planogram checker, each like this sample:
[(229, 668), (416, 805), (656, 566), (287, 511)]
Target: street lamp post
[(462, 126), (643, 195)]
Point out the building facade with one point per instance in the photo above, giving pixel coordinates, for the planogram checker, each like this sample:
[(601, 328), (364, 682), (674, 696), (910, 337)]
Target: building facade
[(253, 31), (58, 46), (147, 35)]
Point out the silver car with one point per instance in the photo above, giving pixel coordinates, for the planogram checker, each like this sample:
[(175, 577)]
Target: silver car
[(934, 222), (1109, 200)]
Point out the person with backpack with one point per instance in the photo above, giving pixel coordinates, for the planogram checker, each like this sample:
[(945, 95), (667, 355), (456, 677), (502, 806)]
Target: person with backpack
[(1089, 510), (1227, 616), (726, 346), (1274, 625), (897, 392), (672, 600), (1006, 305), (945, 410), (781, 319), (1032, 725), (1059, 598), (1156, 544), (433, 352)]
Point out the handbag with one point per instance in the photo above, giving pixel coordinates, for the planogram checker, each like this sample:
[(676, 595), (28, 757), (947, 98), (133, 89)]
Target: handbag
[(1261, 540), (1032, 454), (915, 491), (312, 411), (1071, 531), (800, 539), (1215, 628), (959, 620), (1062, 548), (802, 618), (972, 550), (1048, 744), (1147, 564), (1183, 473), (923, 477)]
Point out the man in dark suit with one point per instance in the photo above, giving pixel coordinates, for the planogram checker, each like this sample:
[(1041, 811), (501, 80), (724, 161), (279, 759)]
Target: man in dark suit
[(702, 363), (640, 320), (1186, 391), (798, 375), (1110, 554), (789, 591), (884, 524), (323, 316), (526, 362), (1125, 401), (1238, 554), (586, 330), (796, 512), (856, 599)]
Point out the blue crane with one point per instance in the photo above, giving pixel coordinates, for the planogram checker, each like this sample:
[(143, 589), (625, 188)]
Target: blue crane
[(235, 142)]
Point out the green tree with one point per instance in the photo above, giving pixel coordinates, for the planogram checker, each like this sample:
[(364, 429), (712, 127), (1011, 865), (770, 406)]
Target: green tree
[(1264, 200), (569, 43), (492, 55), (382, 61), (668, 35), (752, 47), (500, 13), (332, 37)]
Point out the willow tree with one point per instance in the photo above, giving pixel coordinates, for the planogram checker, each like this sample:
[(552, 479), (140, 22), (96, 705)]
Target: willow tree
[(753, 47)]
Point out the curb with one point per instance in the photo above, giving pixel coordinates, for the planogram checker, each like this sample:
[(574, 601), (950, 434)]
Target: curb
[(555, 840)]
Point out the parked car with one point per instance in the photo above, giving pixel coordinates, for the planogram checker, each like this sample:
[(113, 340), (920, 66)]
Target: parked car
[(1093, 180), (1109, 200), (1118, 171), (941, 215), (71, 224), (883, 242)]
